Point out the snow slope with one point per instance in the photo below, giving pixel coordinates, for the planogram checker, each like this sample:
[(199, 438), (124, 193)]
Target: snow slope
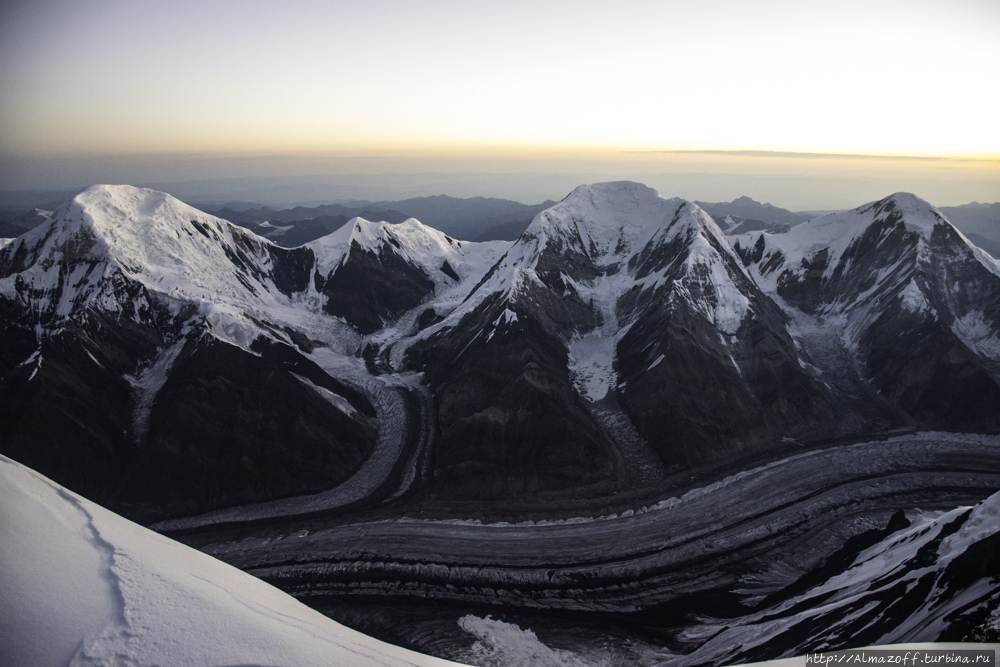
[(82, 586)]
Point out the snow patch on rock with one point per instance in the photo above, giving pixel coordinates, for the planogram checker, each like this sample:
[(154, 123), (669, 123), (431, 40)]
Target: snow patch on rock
[(146, 384), (500, 644), (977, 332), (913, 299)]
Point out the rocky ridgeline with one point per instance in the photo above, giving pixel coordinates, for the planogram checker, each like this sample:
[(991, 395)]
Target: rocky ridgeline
[(168, 363)]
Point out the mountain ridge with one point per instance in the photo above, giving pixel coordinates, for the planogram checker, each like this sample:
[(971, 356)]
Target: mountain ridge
[(620, 338)]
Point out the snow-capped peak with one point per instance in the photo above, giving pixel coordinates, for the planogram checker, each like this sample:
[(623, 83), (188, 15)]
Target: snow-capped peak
[(918, 215), (607, 219), (130, 250), (604, 241), (838, 235), (114, 246), (617, 229), (851, 266), (441, 258), (164, 243)]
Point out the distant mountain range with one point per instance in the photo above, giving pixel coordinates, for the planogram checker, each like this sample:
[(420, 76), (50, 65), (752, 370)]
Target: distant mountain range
[(475, 219), (16, 225), (980, 222), (975, 217), (747, 209), (483, 219)]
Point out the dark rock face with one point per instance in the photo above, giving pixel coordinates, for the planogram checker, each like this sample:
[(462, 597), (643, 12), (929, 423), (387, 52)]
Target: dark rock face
[(68, 415), (510, 423), (696, 395), (704, 400), (229, 428), (940, 381), (226, 428), (448, 271), (371, 288), (292, 268), (427, 318), (804, 290)]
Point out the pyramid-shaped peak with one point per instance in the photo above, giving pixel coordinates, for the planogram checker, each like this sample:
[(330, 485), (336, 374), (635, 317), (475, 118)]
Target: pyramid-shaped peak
[(614, 206), (621, 194), (917, 214), (606, 226), (908, 200)]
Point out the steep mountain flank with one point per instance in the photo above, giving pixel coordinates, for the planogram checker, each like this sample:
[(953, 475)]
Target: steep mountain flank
[(894, 287)]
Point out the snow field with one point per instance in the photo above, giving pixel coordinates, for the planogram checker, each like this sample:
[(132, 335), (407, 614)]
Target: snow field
[(85, 587)]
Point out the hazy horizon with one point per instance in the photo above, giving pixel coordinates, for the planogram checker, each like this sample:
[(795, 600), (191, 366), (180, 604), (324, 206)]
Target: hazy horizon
[(805, 106), (273, 181)]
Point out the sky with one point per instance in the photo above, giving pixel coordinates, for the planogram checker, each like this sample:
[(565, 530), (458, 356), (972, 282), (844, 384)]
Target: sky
[(178, 91)]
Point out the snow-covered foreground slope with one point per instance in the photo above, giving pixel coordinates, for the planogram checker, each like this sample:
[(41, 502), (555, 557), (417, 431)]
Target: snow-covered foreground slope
[(83, 587)]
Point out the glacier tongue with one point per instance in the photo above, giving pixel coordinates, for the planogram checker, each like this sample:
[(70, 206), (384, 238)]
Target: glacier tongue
[(147, 383), (592, 354)]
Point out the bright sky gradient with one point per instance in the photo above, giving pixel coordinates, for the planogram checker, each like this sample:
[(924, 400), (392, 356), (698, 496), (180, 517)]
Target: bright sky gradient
[(513, 80)]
